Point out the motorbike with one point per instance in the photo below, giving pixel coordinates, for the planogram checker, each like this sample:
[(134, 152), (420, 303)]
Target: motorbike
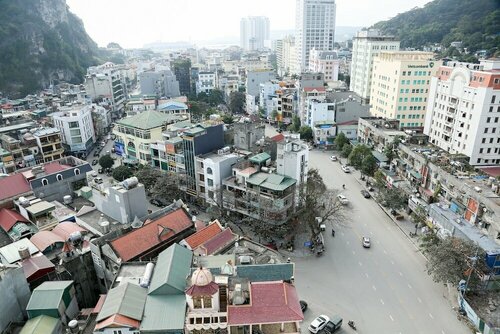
[(333, 233), (351, 324)]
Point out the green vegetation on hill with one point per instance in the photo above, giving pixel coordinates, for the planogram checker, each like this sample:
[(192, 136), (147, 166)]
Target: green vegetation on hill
[(476, 23), (41, 46)]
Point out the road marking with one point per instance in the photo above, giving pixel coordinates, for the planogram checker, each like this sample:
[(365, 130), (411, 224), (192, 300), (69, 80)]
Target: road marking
[(409, 286), (366, 274), (443, 332), (401, 274), (419, 300), (353, 253), (392, 262), (360, 264), (374, 288), (385, 252), (430, 315), (382, 302), (390, 316)]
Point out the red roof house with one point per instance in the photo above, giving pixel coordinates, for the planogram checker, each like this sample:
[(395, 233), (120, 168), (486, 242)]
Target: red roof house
[(36, 267), (217, 243), (13, 185), (9, 218), (147, 241), (270, 302), (203, 235)]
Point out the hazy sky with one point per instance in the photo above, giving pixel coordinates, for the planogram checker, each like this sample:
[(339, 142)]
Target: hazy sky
[(133, 23)]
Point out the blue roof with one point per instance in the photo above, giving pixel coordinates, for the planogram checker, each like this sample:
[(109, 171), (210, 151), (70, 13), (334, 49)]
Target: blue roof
[(172, 105)]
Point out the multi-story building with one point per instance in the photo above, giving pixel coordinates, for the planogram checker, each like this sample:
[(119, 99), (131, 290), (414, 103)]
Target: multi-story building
[(77, 129), (49, 143), (247, 134), (314, 28), (228, 83), (311, 85), (254, 32), (255, 191), (135, 134), (268, 99), (400, 86), (463, 111), (286, 56), (206, 82), (320, 116), (159, 83), (182, 71), (287, 102), (366, 45), (101, 118), (255, 78), (292, 158), (325, 62)]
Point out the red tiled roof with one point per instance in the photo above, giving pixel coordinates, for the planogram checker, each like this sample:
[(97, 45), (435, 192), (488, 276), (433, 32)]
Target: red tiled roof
[(152, 234), (206, 290), (203, 235), (353, 122), (278, 137), (54, 167), (218, 242), (270, 302), (9, 218), (37, 266), (13, 185), (118, 320), (44, 239), (491, 171), (65, 229), (99, 304)]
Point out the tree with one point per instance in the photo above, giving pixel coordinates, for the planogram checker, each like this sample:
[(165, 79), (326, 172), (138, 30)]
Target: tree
[(167, 188), (358, 154), (380, 181), (317, 201), (306, 133), (106, 161), (197, 109), (148, 176), (295, 126), (215, 97), (274, 114), (418, 217), (121, 173), (340, 141), (369, 165), (227, 119), (346, 150), (237, 102), (394, 198), (453, 259)]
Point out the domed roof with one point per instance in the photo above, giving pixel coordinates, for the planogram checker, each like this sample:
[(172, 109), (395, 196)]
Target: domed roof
[(201, 277)]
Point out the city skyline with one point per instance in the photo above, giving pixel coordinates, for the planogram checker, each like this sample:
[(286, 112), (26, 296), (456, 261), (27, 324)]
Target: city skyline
[(197, 21)]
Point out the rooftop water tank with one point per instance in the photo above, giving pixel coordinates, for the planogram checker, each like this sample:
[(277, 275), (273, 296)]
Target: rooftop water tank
[(130, 183)]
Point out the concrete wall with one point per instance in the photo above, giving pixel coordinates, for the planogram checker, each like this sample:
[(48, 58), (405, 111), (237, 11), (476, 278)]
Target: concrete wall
[(121, 204), (14, 296)]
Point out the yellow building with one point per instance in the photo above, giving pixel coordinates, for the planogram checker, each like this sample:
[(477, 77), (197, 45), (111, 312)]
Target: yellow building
[(400, 86), (135, 134)]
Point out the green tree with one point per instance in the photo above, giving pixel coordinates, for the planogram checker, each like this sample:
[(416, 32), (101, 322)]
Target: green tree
[(340, 141), (148, 176), (419, 218), (167, 188), (357, 155), (394, 198), (121, 173), (306, 133), (274, 114), (380, 181), (197, 109), (369, 165), (237, 102), (346, 150), (106, 161), (215, 97), (295, 126), (227, 119)]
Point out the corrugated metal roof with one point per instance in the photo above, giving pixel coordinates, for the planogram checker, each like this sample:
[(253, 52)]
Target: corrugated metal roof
[(40, 324), (127, 299), (164, 313), (148, 119), (10, 253), (260, 158), (48, 295), (171, 271), (286, 182), (258, 178)]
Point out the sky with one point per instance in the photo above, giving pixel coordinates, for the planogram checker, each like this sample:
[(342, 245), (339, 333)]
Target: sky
[(133, 23)]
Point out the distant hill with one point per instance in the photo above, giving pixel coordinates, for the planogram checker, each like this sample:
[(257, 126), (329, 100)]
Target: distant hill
[(41, 42), (476, 23)]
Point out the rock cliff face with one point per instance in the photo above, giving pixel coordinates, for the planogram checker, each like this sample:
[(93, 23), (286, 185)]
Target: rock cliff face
[(41, 42)]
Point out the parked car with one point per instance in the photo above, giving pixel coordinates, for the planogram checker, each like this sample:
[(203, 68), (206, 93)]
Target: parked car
[(94, 162), (96, 153), (100, 170), (342, 199), (303, 305), (333, 325), (333, 158), (318, 323), (366, 242), (98, 180), (346, 169), (365, 194), (397, 215)]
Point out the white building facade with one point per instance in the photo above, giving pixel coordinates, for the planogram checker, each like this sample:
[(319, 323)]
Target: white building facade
[(77, 128), (366, 45), (325, 62), (286, 56), (268, 99), (254, 32), (463, 113), (314, 28), (293, 159), (206, 82)]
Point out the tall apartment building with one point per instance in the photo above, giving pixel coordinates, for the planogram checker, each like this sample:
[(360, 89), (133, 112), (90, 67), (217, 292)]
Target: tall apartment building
[(77, 129), (161, 83), (314, 28), (206, 82), (325, 62), (286, 56), (463, 111), (182, 71), (400, 86), (254, 32), (366, 45), (49, 143), (292, 159)]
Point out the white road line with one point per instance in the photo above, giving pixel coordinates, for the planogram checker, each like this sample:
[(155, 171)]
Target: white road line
[(430, 315), (382, 302), (419, 300), (401, 274), (374, 288), (409, 286), (443, 332), (390, 316), (360, 264), (366, 274)]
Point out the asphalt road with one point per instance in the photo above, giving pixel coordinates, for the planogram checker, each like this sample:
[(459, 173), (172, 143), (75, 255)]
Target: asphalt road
[(384, 289)]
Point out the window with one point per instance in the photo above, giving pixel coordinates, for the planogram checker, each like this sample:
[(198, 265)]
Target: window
[(197, 302), (207, 302), (485, 130), (488, 119), (77, 171), (483, 141), (210, 182), (493, 98), (209, 171), (59, 177), (45, 182), (480, 150)]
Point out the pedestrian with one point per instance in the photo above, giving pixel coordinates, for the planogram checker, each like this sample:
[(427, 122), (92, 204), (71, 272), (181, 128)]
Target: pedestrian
[(288, 260), (343, 186)]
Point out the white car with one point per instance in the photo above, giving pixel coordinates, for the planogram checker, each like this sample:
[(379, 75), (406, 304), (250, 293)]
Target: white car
[(318, 324), (366, 242), (333, 158), (342, 199), (346, 169)]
